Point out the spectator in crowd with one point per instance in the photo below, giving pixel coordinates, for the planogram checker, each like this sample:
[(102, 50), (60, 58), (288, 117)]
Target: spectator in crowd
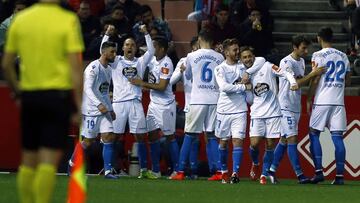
[(204, 10), (92, 51), (150, 21), (19, 5), (240, 9), (96, 6), (131, 8), (90, 25), (350, 7), (118, 19), (220, 26), (256, 32)]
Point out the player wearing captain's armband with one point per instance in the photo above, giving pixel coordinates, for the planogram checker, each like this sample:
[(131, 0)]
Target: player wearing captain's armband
[(161, 113), (328, 106)]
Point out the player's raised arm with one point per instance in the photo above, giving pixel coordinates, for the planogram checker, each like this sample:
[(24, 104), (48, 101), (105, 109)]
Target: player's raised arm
[(146, 58), (110, 29)]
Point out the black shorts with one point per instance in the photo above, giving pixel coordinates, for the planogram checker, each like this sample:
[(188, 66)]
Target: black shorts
[(45, 118)]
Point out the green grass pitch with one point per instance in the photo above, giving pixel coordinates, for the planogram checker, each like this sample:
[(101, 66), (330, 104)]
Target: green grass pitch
[(130, 190)]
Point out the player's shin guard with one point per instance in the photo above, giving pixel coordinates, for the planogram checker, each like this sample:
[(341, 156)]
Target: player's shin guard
[(215, 153), (294, 159), (340, 152), (254, 154), (194, 156), (212, 168), (223, 158), (185, 151), (24, 180), (278, 155), (268, 158), (174, 154), (108, 151), (237, 155), (44, 183), (142, 153), (155, 155), (315, 149)]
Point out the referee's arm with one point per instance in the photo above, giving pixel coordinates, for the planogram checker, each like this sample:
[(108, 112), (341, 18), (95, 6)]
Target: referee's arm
[(8, 64), (75, 60)]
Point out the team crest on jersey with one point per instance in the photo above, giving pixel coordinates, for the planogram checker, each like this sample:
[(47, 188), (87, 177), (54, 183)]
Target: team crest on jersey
[(151, 78), (129, 72), (104, 87), (261, 88)]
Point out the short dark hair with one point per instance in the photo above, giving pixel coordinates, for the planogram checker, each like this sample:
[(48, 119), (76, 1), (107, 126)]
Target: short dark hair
[(222, 7), (162, 41), (193, 41), (246, 48), (206, 35), (326, 34), (229, 42), (144, 8), (108, 44), (117, 7), (298, 39)]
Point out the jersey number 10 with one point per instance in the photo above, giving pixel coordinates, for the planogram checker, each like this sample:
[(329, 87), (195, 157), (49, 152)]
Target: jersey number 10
[(335, 71)]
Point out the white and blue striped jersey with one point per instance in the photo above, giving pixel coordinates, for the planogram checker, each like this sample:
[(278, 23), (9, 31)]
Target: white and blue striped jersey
[(176, 77), (290, 100), (161, 69), (330, 90), (266, 104), (232, 97), (200, 66), (97, 80), (123, 69)]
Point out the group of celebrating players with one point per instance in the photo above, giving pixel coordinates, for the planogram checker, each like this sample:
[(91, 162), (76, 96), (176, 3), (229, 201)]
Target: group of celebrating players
[(218, 88)]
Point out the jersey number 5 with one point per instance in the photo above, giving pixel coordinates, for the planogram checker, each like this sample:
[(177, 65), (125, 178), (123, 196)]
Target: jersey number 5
[(335, 71), (206, 72)]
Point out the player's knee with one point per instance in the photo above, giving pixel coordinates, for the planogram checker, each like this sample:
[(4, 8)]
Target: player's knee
[(153, 136), (108, 137), (223, 144), (170, 138), (292, 139), (270, 143), (237, 142), (140, 137), (254, 142), (210, 135), (87, 142)]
